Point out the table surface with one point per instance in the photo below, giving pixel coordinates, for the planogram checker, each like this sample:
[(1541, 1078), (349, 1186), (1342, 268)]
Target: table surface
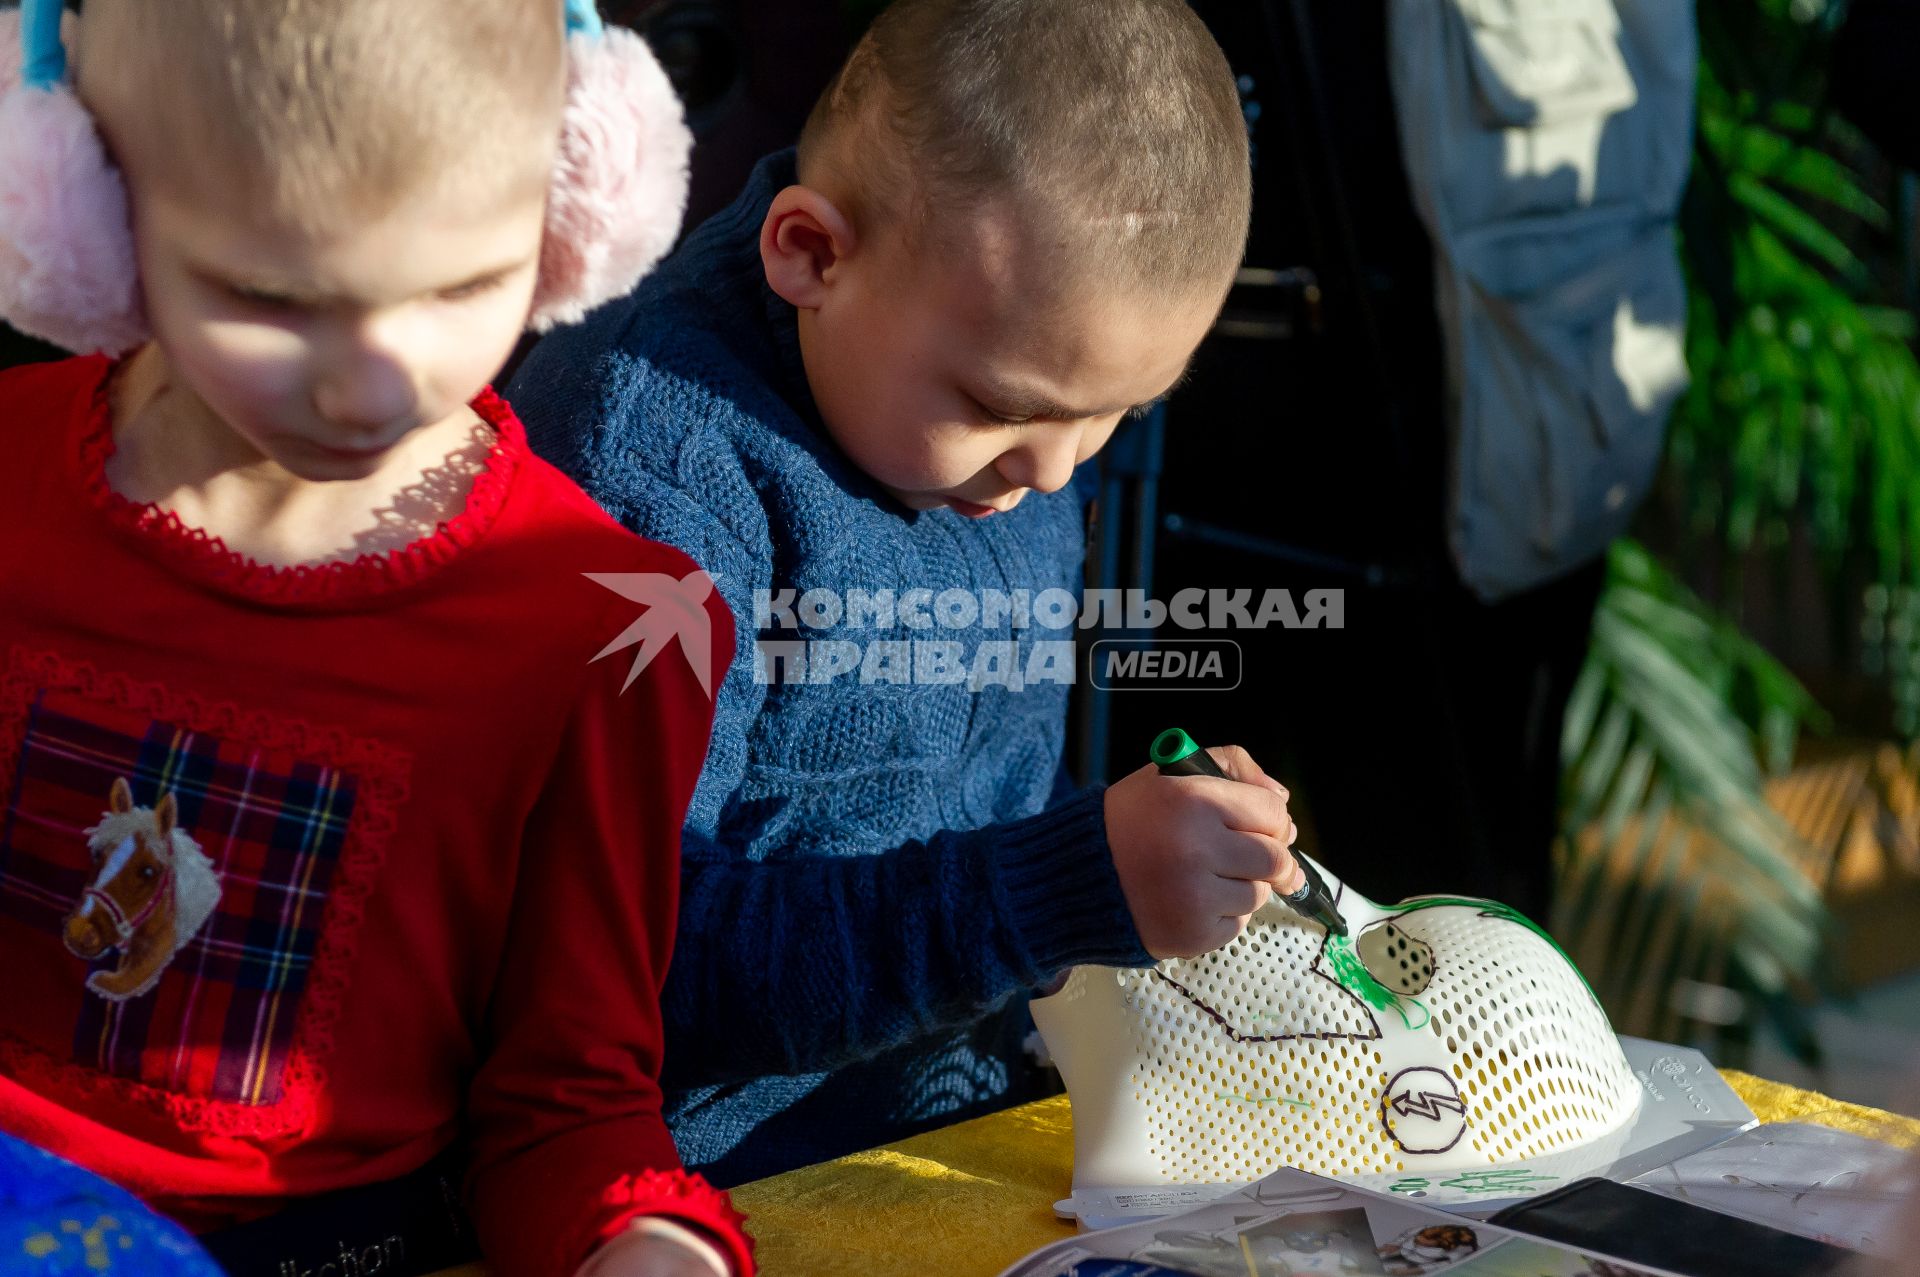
[(970, 1199)]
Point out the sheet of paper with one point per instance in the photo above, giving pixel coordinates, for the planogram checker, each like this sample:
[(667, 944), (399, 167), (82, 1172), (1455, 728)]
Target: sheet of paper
[(1829, 1185), (1292, 1224)]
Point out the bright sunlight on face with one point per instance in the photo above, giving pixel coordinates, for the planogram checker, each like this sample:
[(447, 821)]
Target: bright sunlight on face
[(967, 377), (324, 350)]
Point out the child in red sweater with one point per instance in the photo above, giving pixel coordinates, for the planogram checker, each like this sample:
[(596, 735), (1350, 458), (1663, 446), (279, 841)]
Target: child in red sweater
[(326, 835)]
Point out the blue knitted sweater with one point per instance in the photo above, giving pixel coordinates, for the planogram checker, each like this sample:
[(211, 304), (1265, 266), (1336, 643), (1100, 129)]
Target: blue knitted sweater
[(876, 873)]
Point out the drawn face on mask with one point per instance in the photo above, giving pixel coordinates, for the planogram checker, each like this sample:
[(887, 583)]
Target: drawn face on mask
[(1441, 1034)]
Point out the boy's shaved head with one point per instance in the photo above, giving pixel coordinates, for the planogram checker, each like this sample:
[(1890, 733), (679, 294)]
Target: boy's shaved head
[(1117, 120), (318, 110)]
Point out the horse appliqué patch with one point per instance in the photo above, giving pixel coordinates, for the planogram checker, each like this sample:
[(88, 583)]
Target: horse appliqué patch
[(181, 885), (152, 891)]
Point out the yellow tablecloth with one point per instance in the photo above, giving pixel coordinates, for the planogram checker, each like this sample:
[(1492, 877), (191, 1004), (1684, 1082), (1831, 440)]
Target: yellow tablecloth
[(968, 1200)]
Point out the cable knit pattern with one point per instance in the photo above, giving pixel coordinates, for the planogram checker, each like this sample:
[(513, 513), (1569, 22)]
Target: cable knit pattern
[(875, 873)]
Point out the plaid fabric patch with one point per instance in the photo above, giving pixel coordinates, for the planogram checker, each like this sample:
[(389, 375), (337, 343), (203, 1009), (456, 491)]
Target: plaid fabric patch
[(220, 1022)]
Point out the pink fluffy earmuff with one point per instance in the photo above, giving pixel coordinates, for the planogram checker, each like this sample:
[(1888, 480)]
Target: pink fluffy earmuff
[(67, 268)]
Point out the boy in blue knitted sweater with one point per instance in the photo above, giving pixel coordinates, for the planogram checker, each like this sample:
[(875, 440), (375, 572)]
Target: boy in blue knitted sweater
[(858, 397)]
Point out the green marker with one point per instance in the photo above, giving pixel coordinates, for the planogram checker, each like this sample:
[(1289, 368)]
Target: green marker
[(1175, 754)]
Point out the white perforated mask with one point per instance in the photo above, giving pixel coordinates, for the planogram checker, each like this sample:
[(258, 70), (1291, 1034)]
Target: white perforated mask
[(1442, 1034)]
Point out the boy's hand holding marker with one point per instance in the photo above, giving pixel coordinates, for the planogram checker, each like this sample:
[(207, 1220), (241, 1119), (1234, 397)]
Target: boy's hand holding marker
[(1197, 858), (1175, 754)]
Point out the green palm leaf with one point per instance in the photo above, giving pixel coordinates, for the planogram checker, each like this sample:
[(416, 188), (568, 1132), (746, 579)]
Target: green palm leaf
[(1653, 732)]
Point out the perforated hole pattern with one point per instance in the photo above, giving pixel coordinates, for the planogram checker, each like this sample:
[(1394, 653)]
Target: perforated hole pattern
[(1254, 1057)]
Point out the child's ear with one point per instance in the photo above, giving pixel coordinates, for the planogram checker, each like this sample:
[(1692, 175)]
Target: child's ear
[(803, 243)]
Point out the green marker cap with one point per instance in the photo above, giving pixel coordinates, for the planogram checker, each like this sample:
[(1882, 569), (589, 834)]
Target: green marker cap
[(1171, 746)]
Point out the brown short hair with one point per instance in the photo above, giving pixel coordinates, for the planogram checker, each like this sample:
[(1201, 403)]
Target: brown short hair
[(1120, 116), (329, 106)]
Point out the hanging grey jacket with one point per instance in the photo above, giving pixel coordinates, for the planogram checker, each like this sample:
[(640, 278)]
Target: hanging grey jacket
[(1547, 143)]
